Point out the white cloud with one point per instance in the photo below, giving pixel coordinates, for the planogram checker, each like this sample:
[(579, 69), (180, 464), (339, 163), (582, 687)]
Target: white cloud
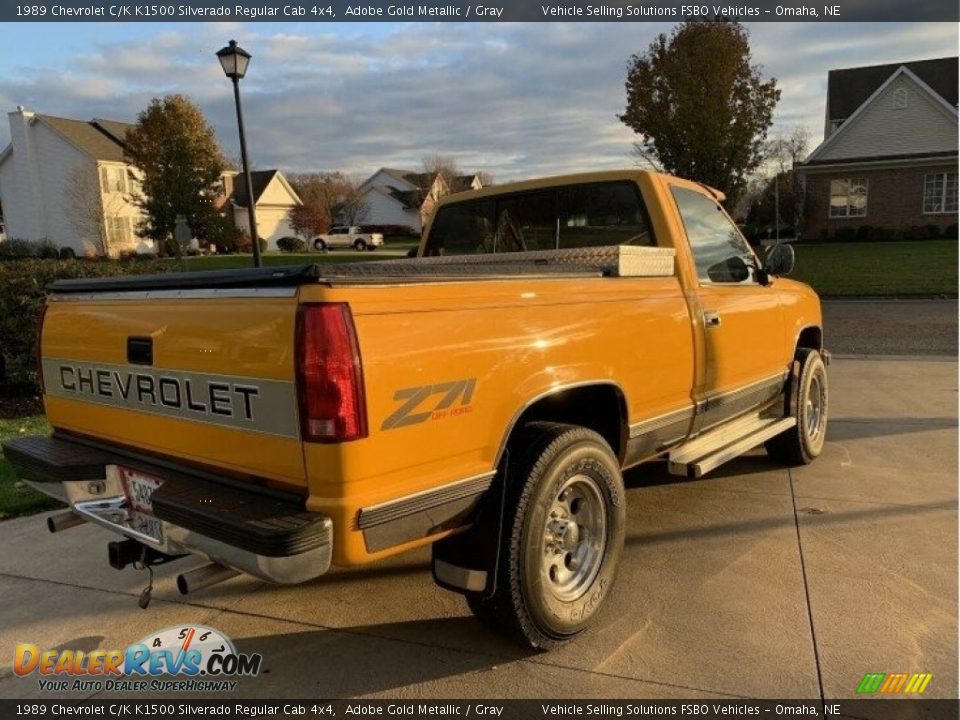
[(517, 100)]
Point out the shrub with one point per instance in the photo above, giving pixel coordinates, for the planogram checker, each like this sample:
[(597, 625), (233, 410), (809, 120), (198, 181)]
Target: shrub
[(47, 250), (22, 293), (845, 234), (951, 231), (17, 248), (67, 253), (291, 245), (933, 231), (915, 232), (245, 245), (866, 233)]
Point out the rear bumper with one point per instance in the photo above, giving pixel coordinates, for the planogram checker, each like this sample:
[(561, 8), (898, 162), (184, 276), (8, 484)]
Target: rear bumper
[(264, 534)]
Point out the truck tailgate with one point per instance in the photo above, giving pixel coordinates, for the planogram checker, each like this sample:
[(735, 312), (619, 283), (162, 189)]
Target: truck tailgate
[(201, 376)]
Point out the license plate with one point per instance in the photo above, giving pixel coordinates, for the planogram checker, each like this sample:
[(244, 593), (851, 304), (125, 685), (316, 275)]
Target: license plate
[(146, 525), (139, 488)]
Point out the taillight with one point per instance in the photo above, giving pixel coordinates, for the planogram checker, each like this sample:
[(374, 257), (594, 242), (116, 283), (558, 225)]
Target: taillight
[(329, 374), (39, 354)]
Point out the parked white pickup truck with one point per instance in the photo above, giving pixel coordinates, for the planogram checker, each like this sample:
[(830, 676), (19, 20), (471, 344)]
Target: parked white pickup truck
[(347, 236)]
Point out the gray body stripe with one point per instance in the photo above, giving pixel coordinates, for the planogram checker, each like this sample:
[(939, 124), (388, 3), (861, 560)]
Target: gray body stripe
[(243, 403), (395, 509)]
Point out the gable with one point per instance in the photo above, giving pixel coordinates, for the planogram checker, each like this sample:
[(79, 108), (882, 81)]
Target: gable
[(389, 178), (924, 124), (276, 193)]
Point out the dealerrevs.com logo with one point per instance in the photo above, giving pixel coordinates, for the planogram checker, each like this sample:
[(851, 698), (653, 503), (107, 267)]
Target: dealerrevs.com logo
[(189, 658)]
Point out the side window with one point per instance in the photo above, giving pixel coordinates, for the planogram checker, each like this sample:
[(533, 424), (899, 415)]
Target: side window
[(602, 214), (718, 248), (463, 229), (527, 222)]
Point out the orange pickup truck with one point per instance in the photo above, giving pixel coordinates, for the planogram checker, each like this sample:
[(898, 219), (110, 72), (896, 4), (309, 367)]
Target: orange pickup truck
[(484, 397)]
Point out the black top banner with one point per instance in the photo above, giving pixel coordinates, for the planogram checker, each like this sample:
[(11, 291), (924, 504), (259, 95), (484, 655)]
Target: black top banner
[(323, 11)]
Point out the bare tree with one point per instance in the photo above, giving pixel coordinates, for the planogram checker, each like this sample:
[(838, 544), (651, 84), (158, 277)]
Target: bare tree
[(485, 178), (335, 193), (784, 153), (88, 215), (443, 165)]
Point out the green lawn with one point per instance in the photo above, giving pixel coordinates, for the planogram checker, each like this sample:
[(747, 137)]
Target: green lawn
[(919, 267), (15, 497)]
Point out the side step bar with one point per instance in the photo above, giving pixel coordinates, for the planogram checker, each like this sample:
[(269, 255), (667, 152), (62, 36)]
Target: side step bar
[(713, 449)]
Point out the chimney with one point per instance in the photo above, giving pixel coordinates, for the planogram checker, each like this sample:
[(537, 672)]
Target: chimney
[(26, 201)]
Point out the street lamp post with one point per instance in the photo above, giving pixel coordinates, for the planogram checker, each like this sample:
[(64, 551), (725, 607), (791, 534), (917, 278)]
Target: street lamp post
[(234, 60)]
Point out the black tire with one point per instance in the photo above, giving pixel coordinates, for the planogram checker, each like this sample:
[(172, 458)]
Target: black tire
[(809, 405), (360, 245), (557, 566), (319, 245)]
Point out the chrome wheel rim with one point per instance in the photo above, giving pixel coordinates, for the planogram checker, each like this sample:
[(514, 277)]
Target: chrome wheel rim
[(814, 407), (575, 536)]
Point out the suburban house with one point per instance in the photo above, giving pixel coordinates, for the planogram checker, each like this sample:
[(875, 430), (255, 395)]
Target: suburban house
[(274, 198), (888, 159), (66, 181), (405, 197)]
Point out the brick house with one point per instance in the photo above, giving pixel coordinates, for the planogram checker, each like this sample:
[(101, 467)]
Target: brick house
[(889, 154)]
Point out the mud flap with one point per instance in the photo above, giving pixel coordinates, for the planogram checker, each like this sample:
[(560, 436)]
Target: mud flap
[(467, 562)]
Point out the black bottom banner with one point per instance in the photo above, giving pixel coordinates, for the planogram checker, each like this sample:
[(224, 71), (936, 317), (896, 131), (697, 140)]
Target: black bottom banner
[(892, 709)]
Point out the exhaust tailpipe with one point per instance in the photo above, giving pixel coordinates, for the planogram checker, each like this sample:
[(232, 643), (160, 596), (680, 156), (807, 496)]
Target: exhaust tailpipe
[(64, 521), (204, 577)]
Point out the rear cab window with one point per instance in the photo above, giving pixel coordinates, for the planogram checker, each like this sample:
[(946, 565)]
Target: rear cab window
[(562, 217)]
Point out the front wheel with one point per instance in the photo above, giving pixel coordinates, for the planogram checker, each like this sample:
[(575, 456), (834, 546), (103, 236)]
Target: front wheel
[(808, 404), (561, 548), (319, 245)]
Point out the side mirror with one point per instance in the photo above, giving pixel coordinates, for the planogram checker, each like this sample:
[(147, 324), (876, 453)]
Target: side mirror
[(733, 269), (779, 260)]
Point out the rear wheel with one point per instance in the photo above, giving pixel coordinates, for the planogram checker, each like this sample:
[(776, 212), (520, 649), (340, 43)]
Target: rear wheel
[(808, 404), (319, 245), (562, 545), (360, 245)]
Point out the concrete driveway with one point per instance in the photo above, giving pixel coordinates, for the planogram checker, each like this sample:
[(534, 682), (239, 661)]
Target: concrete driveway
[(757, 581)]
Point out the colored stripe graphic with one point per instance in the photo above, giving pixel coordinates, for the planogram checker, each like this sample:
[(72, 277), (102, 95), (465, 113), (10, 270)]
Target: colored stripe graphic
[(892, 683)]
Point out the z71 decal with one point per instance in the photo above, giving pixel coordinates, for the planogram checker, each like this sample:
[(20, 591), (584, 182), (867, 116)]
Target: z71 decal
[(431, 402)]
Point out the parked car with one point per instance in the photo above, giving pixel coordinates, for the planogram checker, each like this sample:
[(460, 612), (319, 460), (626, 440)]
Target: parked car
[(347, 236)]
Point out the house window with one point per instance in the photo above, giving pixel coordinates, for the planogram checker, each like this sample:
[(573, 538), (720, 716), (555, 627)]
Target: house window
[(940, 193), (848, 198), (113, 179), (119, 231), (900, 99)]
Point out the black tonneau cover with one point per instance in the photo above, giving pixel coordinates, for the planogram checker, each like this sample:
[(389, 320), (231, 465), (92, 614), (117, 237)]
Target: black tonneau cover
[(332, 274)]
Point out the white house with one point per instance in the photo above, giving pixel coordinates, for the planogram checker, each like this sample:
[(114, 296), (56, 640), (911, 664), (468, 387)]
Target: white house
[(274, 198), (66, 181), (405, 197)]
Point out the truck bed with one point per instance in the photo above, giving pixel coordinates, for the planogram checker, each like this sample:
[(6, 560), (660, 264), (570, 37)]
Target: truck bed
[(576, 262)]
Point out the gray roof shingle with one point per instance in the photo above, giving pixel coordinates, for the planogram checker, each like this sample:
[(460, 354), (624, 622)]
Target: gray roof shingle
[(849, 88)]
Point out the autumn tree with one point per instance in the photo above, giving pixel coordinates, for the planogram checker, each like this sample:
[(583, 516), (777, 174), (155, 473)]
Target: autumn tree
[(701, 109), (175, 148), (309, 219), (333, 192)]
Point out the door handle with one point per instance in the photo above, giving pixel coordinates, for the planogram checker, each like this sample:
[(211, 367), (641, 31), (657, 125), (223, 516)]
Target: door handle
[(711, 319)]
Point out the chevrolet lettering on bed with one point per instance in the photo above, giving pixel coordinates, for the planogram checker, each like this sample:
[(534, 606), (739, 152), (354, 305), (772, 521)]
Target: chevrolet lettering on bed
[(483, 397)]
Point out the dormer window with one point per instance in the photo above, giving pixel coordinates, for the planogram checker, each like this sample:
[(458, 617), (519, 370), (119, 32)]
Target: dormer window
[(900, 99)]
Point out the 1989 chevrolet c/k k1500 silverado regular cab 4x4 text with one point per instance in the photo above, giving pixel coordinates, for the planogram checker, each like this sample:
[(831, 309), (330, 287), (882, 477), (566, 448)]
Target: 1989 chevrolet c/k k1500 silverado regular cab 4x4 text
[(484, 397)]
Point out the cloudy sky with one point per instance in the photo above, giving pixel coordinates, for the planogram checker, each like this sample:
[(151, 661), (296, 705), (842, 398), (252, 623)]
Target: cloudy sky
[(515, 100)]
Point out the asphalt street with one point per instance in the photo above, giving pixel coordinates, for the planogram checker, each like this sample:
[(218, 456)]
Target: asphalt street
[(890, 327), (757, 581)]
